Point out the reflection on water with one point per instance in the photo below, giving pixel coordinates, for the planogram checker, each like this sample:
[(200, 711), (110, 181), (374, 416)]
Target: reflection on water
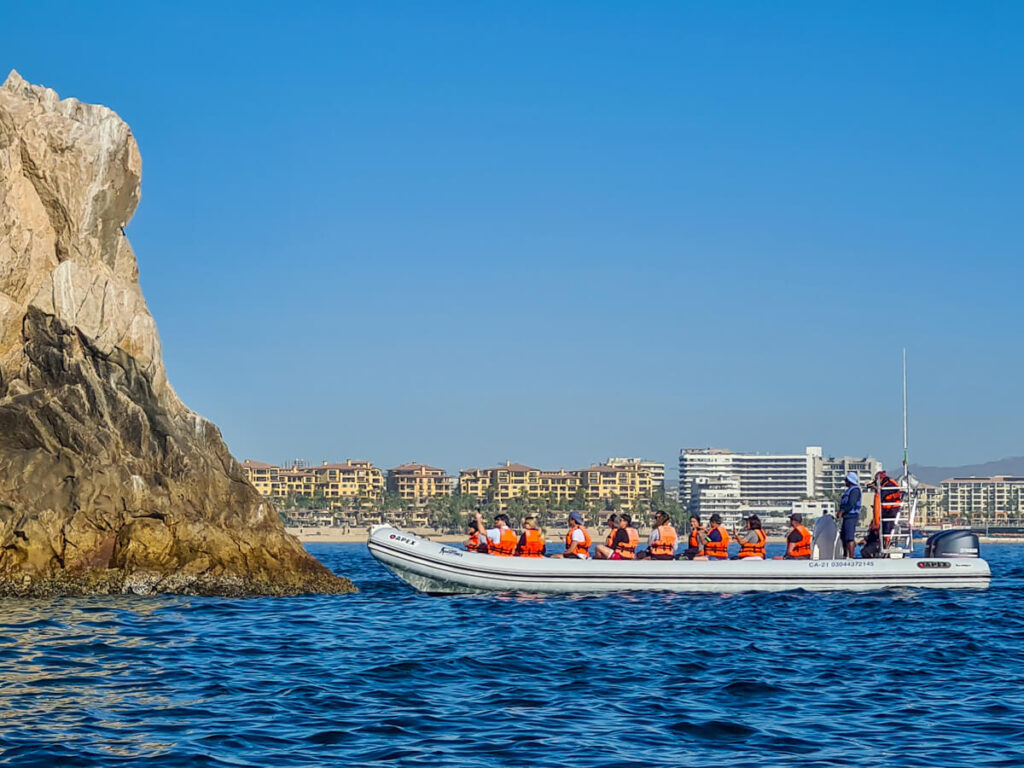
[(903, 677)]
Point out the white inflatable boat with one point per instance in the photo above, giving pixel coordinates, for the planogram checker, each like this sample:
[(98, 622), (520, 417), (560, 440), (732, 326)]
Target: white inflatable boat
[(441, 569)]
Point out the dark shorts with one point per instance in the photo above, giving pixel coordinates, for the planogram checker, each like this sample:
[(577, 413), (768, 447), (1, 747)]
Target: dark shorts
[(849, 532)]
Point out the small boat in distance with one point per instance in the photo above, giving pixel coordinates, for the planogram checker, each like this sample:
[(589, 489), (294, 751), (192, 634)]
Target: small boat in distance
[(952, 561)]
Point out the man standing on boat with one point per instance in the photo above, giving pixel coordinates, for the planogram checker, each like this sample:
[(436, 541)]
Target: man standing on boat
[(888, 500), (849, 514)]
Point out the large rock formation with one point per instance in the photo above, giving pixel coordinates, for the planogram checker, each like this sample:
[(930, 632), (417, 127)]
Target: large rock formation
[(108, 483)]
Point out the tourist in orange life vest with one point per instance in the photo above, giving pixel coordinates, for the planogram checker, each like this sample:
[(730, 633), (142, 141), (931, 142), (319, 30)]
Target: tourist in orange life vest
[(577, 540), (625, 547), (752, 541), (662, 543), (890, 499), (716, 543), (798, 540), (501, 539), (604, 551), (531, 543), (698, 535), (623, 542), (477, 541)]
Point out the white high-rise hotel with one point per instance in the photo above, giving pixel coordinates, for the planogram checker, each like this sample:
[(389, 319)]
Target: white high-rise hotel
[(762, 477), (709, 477)]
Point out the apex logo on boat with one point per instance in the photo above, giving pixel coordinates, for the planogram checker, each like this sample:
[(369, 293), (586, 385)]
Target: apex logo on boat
[(403, 539)]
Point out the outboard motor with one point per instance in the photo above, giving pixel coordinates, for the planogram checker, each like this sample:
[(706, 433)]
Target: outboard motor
[(953, 543)]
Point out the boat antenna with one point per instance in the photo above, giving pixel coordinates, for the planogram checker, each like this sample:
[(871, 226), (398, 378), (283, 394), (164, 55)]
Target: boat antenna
[(906, 468)]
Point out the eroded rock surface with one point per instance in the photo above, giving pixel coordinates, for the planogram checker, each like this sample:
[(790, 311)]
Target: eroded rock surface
[(108, 483)]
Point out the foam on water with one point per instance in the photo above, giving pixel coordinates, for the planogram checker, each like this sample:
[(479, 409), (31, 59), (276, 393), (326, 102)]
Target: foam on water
[(906, 677)]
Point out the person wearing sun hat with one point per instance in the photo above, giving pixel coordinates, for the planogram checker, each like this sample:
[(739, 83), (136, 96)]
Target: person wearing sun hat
[(849, 514)]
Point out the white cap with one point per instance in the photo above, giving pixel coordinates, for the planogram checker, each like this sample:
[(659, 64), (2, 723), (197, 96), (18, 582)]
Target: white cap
[(851, 477)]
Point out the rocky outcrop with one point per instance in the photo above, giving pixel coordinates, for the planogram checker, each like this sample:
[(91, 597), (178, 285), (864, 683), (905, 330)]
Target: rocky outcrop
[(108, 483)]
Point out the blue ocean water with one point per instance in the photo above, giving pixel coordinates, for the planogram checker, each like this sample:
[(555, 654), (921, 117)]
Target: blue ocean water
[(390, 677)]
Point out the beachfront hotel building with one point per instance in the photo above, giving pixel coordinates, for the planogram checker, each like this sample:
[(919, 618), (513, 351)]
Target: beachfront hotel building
[(763, 477), (996, 498), (349, 480), (416, 483), (500, 485), (265, 478), (559, 485), (773, 486), (337, 483), (830, 473), (297, 482), (627, 483), (657, 469), (716, 494)]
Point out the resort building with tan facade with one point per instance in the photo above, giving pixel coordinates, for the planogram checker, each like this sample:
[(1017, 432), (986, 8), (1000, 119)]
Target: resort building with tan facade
[(984, 498), (656, 468), (337, 483), (416, 484), (349, 480), (500, 485), (627, 483)]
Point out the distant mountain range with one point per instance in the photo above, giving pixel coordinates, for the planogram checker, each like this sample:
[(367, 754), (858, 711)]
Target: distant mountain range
[(935, 475)]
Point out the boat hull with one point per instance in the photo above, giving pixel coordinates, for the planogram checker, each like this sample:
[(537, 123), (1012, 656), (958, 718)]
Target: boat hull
[(436, 568)]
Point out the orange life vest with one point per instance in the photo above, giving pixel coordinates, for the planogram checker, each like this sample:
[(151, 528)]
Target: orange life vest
[(531, 544), (891, 497), (665, 546), (628, 551), (754, 550), (802, 548), (717, 548), (582, 548), (695, 544), (476, 543), (506, 547)]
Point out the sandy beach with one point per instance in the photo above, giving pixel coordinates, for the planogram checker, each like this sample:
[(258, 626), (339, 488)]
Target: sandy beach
[(357, 535)]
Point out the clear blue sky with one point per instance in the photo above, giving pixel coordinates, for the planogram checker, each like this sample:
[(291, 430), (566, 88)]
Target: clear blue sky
[(463, 232)]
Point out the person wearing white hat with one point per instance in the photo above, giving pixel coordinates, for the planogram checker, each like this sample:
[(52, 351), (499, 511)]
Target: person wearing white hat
[(849, 514)]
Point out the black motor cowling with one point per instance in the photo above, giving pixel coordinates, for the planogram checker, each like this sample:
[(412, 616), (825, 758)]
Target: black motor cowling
[(953, 543)]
